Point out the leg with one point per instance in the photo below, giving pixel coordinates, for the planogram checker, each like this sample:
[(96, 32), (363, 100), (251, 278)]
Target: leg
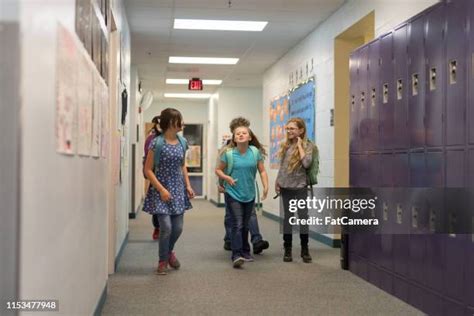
[(227, 224), (164, 244), (254, 230), (304, 229), (176, 229), (247, 207), (286, 196), (237, 216)]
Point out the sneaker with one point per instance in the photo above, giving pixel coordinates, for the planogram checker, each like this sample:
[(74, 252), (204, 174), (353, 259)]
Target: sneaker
[(227, 245), (173, 261), (259, 246), (156, 234), (247, 257), (162, 267), (238, 262)]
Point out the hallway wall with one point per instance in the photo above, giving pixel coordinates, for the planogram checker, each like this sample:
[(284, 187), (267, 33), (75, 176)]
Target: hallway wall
[(318, 47), (63, 232)]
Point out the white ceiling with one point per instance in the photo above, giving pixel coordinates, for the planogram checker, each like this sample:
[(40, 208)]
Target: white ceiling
[(154, 39)]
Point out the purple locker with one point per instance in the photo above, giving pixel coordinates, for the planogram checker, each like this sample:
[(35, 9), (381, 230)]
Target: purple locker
[(354, 97), (401, 131), (470, 62), (364, 98), (374, 274), (417, 80), (401, 215), (400, 288), (374, 96), (434, 53), (386, 86), (433, 304), (453, 308), (456, 39), (353, 170), (386, 281), (415, 295), (417, 170), (469, 285)]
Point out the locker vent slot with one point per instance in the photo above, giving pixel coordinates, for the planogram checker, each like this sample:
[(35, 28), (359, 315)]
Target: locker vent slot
[(353, 103), (372, 98), (453, 72), (414, 84), (432, 79), (399, 89), (385, 93), (432, 220), (385, 211), (399, 214), (414, 216), (362, 100)]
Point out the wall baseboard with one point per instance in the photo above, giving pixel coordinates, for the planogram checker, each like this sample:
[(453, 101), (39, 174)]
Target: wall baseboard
[(119, 255), (101, 302), (334, 243), (217, 204)]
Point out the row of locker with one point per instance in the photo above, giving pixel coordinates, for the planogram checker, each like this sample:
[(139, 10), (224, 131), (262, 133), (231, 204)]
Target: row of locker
[(434, 273), (450, 168), (414, 87)]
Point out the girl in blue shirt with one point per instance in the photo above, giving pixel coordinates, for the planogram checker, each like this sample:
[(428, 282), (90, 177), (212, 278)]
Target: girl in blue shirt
[(240, 187)]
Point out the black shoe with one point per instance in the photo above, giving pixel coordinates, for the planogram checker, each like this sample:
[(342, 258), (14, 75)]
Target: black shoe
[(287, 256), (227, 245), (305, 255), (259, 246)]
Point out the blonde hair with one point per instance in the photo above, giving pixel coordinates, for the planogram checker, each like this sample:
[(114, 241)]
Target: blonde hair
[(295, 161)]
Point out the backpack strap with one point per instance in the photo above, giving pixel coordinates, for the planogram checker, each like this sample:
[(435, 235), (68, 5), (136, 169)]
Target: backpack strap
[(230, 161), (160, 142), (184, 145)]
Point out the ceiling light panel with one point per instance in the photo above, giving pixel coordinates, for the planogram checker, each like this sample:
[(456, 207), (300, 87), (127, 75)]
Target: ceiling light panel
[(220, 25), (186, 81), (203, 60), (188, 95)]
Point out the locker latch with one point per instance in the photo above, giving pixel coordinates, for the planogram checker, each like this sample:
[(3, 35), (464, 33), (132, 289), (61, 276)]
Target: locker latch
[(414, 84), (385, 93), (452, 71), (372, 98), (399, 89), (432, 79), (399, 214), (385, 211), (353, 103), (452, 223), (432, 220), (362, 100), (414, 216)]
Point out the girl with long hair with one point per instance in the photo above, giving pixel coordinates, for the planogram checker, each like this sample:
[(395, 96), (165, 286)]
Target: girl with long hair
[(170, 189), (246, 157), (295, 156)]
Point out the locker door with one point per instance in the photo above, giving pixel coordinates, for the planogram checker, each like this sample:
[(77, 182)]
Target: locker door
[(386, 86), (353, 170), (386, 213), (470, 60), (374, 96), (436, 74), (354, 97), (363, 98), (401, 86), (456, 38), (469, 285), (417, 81)]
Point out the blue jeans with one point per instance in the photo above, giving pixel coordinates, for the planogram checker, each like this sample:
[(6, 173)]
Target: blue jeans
[(254, 230), (171, 227), (240, 213)]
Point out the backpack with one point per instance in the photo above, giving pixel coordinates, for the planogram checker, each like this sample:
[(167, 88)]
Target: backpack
[(313, 170), (160, 142)]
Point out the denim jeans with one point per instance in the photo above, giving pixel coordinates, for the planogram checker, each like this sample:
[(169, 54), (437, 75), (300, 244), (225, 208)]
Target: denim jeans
[(254, 230), (286, 196), (240, 213), (171, 227), (154, 220)]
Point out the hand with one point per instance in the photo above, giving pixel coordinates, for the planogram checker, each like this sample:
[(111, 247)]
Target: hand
[(299, 142), (190, 191), (230, 180), (265, 193), (220, 188), (277, 188), (165, 195)]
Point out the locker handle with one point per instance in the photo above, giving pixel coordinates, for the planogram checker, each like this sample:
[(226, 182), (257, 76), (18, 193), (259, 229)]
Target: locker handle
[(432, 221), (385, 93), (414, 217), (373, 98), (362, 100), (399, 89), (352, 103), (399, 214), (414, 81), (432, 79), (453, 71), (385, 211)]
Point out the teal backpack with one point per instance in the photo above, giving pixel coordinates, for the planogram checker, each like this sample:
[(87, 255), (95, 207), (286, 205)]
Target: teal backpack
[(313, 170), (160, 142)]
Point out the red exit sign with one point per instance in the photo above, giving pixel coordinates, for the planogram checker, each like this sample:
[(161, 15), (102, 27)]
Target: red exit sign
[(195, 84)]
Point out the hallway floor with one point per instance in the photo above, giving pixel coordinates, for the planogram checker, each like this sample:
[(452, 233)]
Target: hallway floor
[(207, 284)]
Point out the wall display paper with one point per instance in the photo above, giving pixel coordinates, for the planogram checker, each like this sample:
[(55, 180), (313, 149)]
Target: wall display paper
[(84, 98), (104, 118), (193, 156), (96, 120), (302, 105), (279, 113), (66, 92)]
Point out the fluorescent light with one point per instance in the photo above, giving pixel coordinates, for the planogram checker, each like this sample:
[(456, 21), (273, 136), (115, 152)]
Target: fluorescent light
[(188, 95), (219, 25), (186, 81), (203, 60)]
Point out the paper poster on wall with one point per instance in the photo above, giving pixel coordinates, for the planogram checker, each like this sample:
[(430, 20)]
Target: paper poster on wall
[(65, 91), (84, 98), (104, 118), (302, 105), (279, 113), (96, 122), (115, 159), (193, 156)]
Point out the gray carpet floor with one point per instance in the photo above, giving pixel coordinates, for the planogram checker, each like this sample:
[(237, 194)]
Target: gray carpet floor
[(207, 284)]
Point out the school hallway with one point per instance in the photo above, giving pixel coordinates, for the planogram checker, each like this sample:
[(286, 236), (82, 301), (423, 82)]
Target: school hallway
[(206, 283)]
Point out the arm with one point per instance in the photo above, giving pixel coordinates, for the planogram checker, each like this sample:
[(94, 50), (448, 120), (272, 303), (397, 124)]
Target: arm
[(220, 173), (305, 155), (164, 194), (189, 189), (264, 178)]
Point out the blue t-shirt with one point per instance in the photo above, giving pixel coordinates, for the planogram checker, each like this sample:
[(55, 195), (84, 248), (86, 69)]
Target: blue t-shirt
[(243, 171)]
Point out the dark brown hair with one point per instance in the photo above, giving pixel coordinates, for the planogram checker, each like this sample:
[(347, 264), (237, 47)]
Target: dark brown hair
[(238, 122), (170, 117)]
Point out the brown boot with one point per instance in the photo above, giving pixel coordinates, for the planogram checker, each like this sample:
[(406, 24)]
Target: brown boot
[(287, 256), (305, 254)]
